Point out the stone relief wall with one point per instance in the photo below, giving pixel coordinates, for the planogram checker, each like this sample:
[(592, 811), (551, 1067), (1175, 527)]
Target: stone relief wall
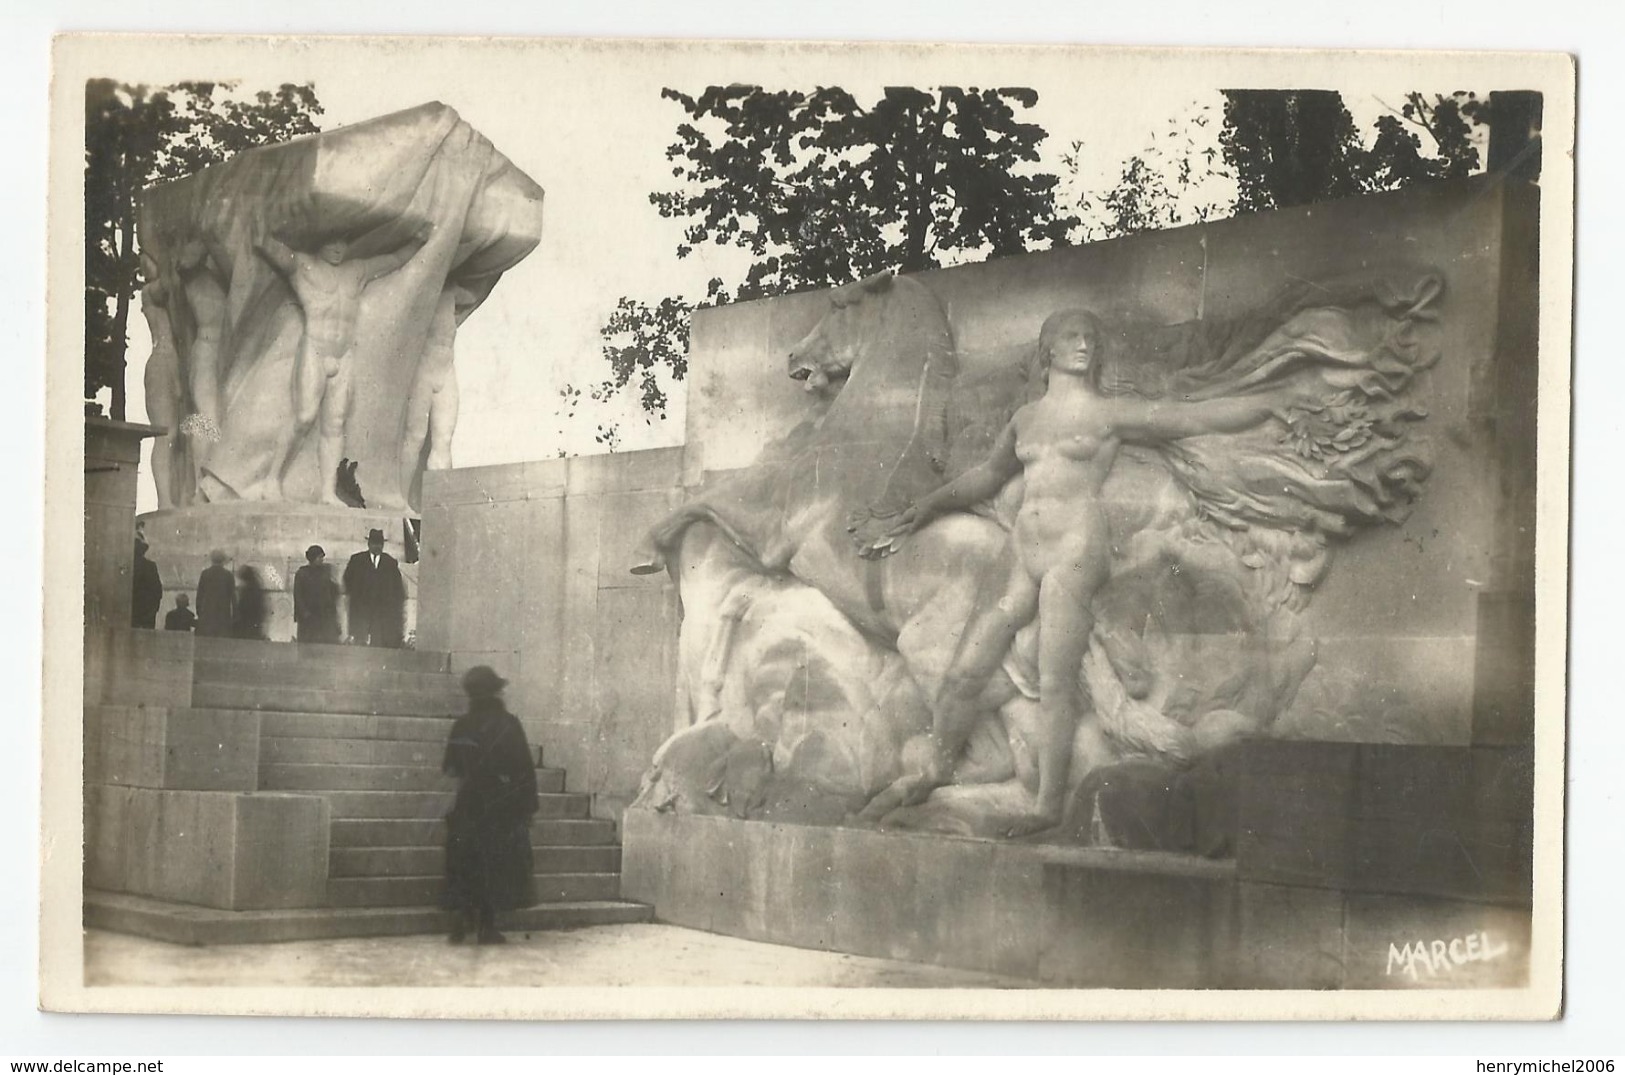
[(797, 664), (1292, 541)]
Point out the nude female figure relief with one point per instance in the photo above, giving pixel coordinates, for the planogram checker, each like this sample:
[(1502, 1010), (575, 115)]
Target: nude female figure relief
[(1064, 445), (328, 286)]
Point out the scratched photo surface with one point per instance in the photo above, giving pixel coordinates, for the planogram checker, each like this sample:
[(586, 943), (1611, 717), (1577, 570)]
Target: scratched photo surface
[(625, 529)]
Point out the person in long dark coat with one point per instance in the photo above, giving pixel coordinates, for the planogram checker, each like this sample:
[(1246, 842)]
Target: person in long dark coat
[(488, 857), (315, 599), (249, 621), (147, 590), (372, 579), (216, 597)]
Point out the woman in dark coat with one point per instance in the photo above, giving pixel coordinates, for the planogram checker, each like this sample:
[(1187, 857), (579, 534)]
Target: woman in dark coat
[(488, 858), (216, 597), (248, 621)]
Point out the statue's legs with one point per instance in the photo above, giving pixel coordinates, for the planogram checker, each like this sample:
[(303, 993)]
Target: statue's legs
[(163, 409), (414, 430), (442, 422), (1006, 601), (309, 388), (204, 382), (1064, 613), (335, 415)]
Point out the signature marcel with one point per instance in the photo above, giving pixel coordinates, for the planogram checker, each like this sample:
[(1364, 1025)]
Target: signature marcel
[(1443, 957)]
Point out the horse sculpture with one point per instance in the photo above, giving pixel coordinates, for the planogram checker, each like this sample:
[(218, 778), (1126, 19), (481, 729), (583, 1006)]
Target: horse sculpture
[(811, 671)]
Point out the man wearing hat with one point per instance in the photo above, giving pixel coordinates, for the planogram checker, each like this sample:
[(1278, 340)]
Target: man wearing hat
[(372, 579), (315, 599), (216, 597)]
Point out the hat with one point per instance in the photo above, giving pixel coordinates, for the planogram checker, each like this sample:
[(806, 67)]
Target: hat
[(481, 681), (314, 551), (375, 535)]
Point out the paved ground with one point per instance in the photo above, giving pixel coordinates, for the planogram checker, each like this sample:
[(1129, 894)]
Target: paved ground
[(642, 955)]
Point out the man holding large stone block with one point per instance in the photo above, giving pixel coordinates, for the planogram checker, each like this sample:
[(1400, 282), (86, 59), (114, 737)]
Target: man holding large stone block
[(328, 285)]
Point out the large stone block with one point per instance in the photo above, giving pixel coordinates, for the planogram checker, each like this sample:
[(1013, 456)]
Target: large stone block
[(176, 749), (1294, 813), (656, 470), (215, 849), (1286, 937), (127, 666), (1121, 928)]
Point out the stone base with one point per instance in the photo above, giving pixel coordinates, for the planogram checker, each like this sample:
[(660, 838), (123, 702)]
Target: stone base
[(209, 848), (177, 923), (272, 539), (172, 748), (1067, 916)]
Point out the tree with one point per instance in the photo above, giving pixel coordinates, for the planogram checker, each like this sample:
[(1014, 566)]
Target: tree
[(1290, 147), (1176, 179), (136, 136), (1300, 146), (821, 190), (1280, 148)]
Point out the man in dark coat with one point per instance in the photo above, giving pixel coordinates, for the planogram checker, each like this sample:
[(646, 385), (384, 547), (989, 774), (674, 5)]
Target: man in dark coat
[(372, 579), (147, 590), (216, 598), (180, 617), (488, 858), (315, 599)]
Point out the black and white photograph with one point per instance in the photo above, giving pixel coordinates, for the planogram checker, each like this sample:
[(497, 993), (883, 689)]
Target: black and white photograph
[(623, 529)]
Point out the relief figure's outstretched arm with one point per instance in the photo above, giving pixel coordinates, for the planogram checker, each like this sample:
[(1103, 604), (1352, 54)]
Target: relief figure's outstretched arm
[(377, 267), (1139, 421), (277, 253), (975, 485)]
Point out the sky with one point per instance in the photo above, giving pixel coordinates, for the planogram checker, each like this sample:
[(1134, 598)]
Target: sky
[(587, 122)]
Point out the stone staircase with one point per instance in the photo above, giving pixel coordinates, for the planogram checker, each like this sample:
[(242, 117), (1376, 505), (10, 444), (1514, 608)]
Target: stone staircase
[(365, 729)]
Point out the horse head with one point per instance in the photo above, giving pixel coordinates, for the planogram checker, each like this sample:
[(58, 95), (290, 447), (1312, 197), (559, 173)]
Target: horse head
[(882, 332)]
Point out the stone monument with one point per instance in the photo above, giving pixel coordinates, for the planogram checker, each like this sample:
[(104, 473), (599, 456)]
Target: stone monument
[(304, 299), (996, 605)]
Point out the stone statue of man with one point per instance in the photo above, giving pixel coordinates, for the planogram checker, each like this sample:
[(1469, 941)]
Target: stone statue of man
[(328, 285)]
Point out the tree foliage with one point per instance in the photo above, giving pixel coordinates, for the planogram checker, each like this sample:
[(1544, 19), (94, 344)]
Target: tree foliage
[(138, 135), (1296, 147), (820, 189)]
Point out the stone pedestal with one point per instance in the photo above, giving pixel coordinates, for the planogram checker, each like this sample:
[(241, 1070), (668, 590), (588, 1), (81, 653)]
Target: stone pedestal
[(272, 539), (112, 454)]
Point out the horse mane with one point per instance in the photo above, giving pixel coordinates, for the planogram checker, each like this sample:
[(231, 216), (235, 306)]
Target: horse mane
[(894, 406)]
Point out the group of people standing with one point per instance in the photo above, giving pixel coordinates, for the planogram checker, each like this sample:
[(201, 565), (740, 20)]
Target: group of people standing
[(234, 606), (489, 865)]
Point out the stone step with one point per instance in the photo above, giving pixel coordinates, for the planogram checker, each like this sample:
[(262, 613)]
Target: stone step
[(323, 675), (294, 725), (424, 890), (431, 861), (405, 832), (315, 750), (179, 923), (283, 777), (427, 805), (363, 750), (296, 699), (313, 655)]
